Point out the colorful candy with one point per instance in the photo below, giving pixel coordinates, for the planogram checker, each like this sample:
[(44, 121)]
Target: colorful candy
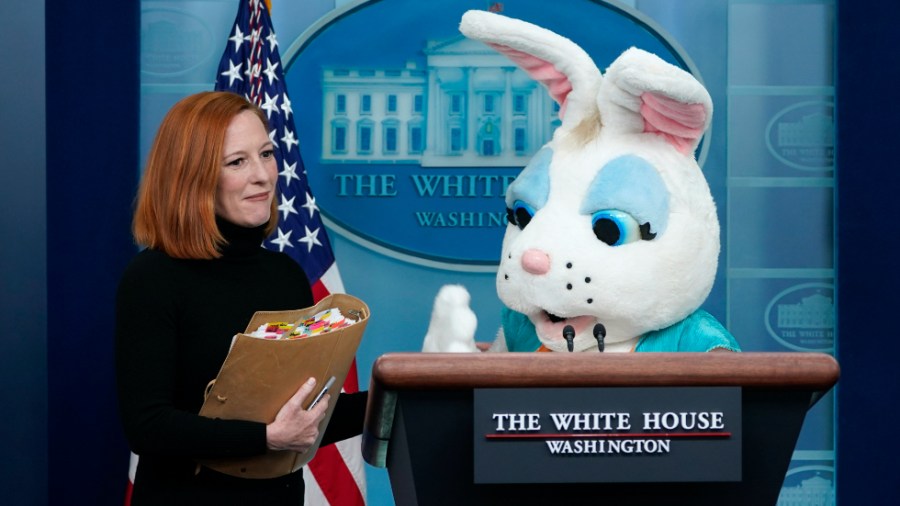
[(320, 323)]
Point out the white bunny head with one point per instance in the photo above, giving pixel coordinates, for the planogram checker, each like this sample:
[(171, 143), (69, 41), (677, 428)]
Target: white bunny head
[(612, 221)]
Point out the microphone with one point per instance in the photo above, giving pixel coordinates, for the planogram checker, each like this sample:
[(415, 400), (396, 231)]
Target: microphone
[(569, 336), (599, 335)]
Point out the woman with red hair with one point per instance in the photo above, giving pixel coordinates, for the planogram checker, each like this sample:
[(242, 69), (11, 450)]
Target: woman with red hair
[(205, 204)]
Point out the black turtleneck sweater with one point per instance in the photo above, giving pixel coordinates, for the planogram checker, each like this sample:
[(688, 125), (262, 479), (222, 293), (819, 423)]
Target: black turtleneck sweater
[(175, 320)]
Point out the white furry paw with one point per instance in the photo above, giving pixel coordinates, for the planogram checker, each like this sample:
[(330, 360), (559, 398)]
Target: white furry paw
[(452, 327)]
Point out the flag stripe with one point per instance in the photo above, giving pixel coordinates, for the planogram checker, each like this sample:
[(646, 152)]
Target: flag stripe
[(319, 291), (332, 279), (312, 494), (350, 452), (351, 384), (341, 487)]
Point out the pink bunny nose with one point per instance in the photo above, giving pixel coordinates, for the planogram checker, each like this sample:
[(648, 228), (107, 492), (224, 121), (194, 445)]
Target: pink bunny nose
[(536, 262)]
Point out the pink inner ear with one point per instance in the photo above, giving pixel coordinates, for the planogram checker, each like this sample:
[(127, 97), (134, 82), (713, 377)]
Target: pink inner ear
[(680, 124), (542, 71)]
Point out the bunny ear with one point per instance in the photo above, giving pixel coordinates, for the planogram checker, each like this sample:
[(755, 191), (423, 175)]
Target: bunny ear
[(650, 95), (556, 62)]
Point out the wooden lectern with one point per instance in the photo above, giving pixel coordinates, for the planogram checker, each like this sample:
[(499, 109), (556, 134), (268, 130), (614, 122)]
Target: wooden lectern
[(419, 422)]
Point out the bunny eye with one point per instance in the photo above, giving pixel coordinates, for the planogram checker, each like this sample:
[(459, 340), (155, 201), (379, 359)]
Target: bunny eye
[(616, 228), (520, 214)]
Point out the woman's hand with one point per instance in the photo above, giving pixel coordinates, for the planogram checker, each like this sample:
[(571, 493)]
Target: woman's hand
[(295, 428)]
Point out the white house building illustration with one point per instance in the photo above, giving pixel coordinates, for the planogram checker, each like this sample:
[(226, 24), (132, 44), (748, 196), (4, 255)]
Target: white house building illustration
[(815, 130), (813, 312), (470, 107), (815, 491)]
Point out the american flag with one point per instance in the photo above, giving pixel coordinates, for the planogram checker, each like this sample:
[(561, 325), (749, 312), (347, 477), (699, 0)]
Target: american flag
[(251, 66)]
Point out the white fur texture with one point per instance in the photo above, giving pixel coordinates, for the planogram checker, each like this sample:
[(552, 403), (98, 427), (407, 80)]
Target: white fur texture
[(452, 327), (563, 54), (632, 288)]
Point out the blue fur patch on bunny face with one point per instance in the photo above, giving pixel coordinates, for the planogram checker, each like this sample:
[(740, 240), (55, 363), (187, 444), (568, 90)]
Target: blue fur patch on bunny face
[(532, 186), (630, 184)]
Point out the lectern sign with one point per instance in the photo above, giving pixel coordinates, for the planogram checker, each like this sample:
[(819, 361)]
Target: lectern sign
[(591, 435)]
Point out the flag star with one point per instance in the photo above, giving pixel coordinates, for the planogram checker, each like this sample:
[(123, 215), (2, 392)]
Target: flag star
[(289, 139), (233, 73), (273, 42), (252, 70), (286, 107), (289, 172), (238, 38), (270, 105), (311, 239), (272, 135), (255, 36), (287, 207), (283, 240), (310, 205), (270, 70)]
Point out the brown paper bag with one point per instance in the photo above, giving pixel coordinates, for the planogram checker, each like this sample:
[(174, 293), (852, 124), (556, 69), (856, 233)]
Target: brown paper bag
[(260, 375)]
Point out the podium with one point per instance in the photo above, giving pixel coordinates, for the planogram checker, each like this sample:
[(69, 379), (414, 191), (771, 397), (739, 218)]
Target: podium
[(420, 422)]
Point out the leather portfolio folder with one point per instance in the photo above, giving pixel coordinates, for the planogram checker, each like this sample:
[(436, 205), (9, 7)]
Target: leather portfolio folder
[(260, 375)]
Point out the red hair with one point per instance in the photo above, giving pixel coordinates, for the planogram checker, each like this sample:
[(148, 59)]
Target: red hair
[(175, 209)]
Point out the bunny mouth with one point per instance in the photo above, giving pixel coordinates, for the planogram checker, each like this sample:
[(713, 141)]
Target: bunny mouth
[(553, 318), (550, 326)]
